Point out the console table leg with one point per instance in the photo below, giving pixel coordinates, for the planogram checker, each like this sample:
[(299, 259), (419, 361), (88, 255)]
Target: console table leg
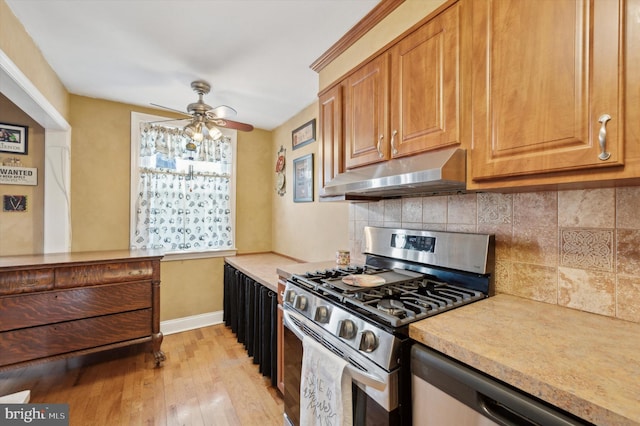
[(156, 341)]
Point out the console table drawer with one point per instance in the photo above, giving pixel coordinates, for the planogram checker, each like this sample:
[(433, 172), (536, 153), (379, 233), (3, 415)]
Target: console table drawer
[(49, 307), (49, 340), (58, 305), (27, 280), (79, 275)]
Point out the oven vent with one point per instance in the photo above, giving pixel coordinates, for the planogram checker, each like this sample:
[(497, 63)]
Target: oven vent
[(431, 173)]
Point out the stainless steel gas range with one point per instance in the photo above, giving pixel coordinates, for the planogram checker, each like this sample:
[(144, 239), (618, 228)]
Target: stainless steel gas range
[(362, 312)]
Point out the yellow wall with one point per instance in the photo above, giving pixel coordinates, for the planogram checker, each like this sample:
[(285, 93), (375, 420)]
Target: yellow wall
[(17, 45), (23, 232), (253, 195), (305, 231), (100, 173)]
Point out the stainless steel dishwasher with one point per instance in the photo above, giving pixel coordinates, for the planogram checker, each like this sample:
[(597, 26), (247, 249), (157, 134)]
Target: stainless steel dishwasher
[(447, 392)]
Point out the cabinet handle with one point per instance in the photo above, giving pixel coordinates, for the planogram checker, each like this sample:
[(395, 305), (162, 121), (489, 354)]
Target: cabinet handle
[(380, 154), (602, 137), (393, 142)]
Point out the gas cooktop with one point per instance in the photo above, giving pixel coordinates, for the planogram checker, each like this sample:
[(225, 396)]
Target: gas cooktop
[(395, 297)]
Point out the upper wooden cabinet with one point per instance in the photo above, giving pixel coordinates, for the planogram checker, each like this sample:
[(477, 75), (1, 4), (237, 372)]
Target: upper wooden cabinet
[(407, 99), (366, 114), (547, 87), (425, 86), (331, 129)]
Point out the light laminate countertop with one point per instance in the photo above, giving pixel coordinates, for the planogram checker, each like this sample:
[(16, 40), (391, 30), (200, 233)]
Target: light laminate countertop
[(586, 364), (262, 267)]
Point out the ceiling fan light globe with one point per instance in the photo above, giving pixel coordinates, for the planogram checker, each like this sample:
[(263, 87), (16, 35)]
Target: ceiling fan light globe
[(214, 132), (194, 131)]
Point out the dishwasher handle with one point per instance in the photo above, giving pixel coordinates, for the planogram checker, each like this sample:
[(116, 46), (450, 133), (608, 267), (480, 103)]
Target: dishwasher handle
[(493, 399)]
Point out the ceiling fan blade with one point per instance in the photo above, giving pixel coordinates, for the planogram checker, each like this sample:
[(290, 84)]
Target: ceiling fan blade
[(229, 124), (171, 109), (167, 120), (223, 111)]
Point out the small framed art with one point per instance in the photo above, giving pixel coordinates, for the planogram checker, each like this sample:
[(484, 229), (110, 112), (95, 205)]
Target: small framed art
[(13, 138), (304, 134), (303, 179)]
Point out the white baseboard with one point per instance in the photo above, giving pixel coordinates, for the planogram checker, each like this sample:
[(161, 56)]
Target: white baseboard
[(189, 323)]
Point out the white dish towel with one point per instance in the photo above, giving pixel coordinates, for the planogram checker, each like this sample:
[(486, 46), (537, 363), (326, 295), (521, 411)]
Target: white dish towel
[(325, 387)]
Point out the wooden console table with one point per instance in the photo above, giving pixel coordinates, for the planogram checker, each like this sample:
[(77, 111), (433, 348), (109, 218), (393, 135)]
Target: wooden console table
[(67, 304)]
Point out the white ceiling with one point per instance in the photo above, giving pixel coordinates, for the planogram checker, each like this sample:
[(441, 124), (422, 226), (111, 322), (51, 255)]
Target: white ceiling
[(255, 53)]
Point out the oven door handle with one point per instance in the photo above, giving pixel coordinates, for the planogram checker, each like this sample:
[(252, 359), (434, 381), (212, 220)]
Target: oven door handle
[(365, 378)]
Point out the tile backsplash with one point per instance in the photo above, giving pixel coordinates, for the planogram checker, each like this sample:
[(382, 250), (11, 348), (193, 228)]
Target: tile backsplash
[(579, 248)]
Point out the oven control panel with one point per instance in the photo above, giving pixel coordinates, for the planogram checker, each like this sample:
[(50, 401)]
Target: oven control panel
[(358, 334), (413, 242)]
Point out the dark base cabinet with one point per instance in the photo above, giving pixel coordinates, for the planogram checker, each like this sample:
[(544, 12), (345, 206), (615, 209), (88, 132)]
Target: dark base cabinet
[(250, 310)]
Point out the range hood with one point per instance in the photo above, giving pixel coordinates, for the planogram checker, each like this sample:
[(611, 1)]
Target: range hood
[(432, 173)]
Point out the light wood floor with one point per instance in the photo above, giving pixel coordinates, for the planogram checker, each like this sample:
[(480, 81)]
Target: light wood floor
[(207, 379)]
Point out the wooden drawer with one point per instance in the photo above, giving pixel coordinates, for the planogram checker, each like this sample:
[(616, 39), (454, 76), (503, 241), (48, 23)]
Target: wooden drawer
[(24, 281), (80, 275), (31, 310), (49, 340)]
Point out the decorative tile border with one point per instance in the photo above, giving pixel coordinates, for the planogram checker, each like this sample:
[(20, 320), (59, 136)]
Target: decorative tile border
[(587, 249), (495, 208)]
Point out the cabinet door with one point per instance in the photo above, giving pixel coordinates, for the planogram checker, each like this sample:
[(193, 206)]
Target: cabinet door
[(425, 92), (331, 150), (545, 72), (366, 121)]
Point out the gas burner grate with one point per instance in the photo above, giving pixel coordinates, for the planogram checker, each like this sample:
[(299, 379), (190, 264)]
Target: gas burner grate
[(398, 305)]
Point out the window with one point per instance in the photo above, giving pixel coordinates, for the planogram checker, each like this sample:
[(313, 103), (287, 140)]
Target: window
[(182, 192)]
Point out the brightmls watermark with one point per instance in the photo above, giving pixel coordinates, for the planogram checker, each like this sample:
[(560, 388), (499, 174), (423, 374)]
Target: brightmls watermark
[(34, 414)]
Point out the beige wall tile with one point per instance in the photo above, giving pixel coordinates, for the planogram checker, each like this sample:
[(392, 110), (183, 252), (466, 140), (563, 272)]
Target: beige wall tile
[(461, 227), (537, 245), (575, 264), (494, 208), (628, 252), (587, 248), (376, 211), (435, 226), (590, 208), (393, 211), (502, 277), (627, 306), (462, 209), (590, 291), (627, 208), (533, 209), (504, 238), (411, 210), (534, 282), (434, 209), (361, 211)]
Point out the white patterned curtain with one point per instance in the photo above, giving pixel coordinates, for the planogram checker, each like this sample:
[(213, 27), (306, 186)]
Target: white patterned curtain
[(183, 201)]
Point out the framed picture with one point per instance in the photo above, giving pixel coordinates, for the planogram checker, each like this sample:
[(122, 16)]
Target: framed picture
[(14, 203), (303, 179), (13, 138), (304, 134)]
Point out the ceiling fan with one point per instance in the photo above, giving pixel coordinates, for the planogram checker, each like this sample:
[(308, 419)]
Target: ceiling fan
[(204, 117)]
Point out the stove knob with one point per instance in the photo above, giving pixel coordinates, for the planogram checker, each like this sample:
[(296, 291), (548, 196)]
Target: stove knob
[(300, 302), (368, 341), (322, 314), (347, 329), (290, 296)]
